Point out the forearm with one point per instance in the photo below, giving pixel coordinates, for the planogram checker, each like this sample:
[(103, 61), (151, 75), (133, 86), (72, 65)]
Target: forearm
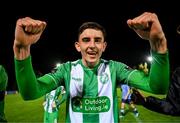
[(159, 44), (28, 85), (157, 81), (159, 73), (26, 79), (21, 52)]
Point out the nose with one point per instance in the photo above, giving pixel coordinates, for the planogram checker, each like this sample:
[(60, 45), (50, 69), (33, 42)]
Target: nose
[(92, 43)]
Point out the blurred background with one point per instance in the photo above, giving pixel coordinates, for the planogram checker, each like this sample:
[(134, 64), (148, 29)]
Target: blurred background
[(63, 19)]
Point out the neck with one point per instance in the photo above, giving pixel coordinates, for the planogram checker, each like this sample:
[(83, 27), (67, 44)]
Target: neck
[(90, 65)]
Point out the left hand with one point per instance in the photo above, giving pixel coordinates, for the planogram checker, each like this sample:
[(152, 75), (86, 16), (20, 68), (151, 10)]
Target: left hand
[(148, 27)]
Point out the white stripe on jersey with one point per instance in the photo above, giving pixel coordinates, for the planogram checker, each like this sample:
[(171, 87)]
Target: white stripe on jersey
[(76, 88), (105, 89)]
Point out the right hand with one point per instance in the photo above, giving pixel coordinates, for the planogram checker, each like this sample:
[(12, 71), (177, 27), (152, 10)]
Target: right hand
[(28, 31)]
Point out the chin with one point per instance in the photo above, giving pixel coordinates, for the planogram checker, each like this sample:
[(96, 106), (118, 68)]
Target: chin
[(93, 61)]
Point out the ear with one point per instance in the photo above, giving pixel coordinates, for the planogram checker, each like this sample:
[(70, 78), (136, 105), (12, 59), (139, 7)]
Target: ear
[(76, 44), (104, 47)]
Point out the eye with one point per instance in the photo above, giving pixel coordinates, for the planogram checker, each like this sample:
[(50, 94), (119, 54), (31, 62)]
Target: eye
[(86, 39), (98, 40)]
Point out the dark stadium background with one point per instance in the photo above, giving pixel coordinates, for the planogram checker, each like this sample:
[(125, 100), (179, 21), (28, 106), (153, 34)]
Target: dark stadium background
[(63, 19)]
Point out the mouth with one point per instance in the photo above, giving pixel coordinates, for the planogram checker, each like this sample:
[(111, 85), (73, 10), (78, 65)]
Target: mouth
[(92, 53)]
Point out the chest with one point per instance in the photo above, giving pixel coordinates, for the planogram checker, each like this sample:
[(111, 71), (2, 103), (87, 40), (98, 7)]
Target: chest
[(89, 83)]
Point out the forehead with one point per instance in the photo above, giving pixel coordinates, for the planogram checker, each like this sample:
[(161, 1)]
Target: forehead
[(91, 33)]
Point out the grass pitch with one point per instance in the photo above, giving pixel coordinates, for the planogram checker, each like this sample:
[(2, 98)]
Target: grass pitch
[(18, 110)]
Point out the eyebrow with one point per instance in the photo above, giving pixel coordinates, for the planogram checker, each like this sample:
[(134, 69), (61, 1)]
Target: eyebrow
[(85, 38), (98, 38)]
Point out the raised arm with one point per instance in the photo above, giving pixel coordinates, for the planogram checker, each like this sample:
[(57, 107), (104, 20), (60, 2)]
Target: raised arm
[(148, 27), (27, 32)]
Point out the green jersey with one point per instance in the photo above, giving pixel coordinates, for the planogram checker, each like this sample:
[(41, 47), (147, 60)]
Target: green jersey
[(91, 93), (3, 78)]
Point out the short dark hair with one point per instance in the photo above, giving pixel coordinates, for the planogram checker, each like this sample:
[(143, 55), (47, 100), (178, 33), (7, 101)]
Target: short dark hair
[(91, 25)]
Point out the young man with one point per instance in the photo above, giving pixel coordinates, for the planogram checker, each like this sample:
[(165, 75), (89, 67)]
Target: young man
[(52, 104), (126, 93), (3, 85), (91, 82)]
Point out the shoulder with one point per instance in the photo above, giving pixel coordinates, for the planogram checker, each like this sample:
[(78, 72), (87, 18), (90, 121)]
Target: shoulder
[(118, 64), (69, 64)]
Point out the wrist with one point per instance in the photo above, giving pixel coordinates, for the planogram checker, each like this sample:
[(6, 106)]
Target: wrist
[(159, 44), (21, 52)]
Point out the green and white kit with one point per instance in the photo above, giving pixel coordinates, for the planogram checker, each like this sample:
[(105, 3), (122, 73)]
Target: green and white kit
[(52, 105), (53, 97), (91, 93)]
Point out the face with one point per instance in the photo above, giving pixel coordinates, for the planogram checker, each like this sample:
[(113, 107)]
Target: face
[(91, 44)]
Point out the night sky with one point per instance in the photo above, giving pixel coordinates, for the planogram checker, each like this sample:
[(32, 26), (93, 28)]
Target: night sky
[(63, 20)]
